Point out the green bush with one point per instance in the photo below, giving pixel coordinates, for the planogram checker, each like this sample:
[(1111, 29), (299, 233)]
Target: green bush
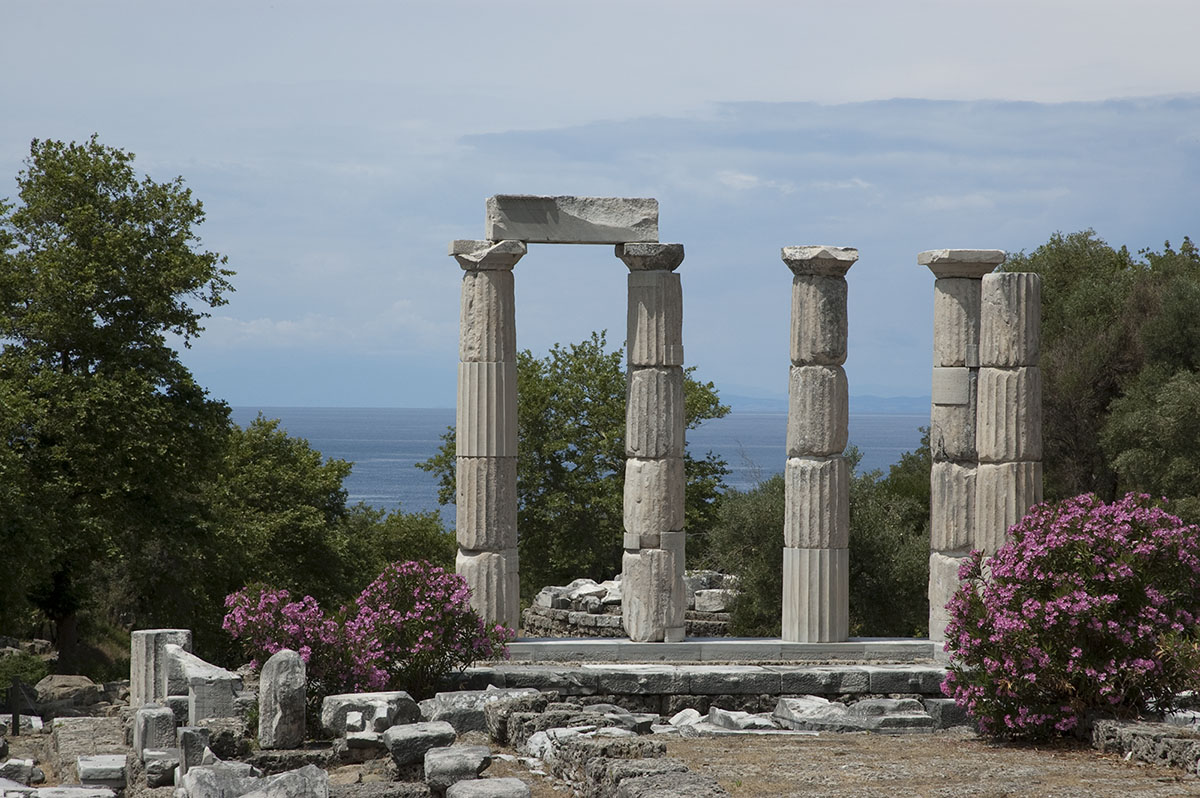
[(23, 666)]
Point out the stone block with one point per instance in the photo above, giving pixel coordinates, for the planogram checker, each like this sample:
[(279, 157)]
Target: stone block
[(816, 595), (281, 695), (821, 680), (210, 698), (819, 260), (220, 780), (946, 713), (951, 385), (184, 668), (153, 727), (571, 220), (653, 496), (487, 322), (492, 577), (1004, 492), (466, 710), (818, 411), (817, 494), (102, 770), (655, 413), (943, 583), (973, 263), (652, 594), (407, 743), (147, 665), (379, 710), (160, 765), (489, 788), (191, 742), (70, 792), (951, 507), (647, 256), (486, 417), (1008, 424), (447, 766), (955, 322), (818, 331), (486, 503), (714, 600), (487, 255), (654, 319), (725, 680), (1010, 319), (890, 679), (952, 427)]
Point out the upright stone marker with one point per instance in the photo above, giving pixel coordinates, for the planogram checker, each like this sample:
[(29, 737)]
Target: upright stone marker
[(148, 663), (281, 694), (816, 526)]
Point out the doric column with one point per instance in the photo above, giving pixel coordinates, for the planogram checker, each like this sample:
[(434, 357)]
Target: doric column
[(486, 431), (956, 320), (816, 525), (1008, 420), (652, 590)]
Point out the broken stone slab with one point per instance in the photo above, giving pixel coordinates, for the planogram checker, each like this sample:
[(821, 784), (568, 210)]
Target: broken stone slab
[(102, 770), (813, 713), (973, 263), (446, 766), (570, 220), (309, 781), (281, 695), (408, 743), (465, 709), (153, 727), (474, 255), (728, 719), (488, 788), (381, 710), (148, 663), (714, 600), (18, 770), (160, 766)]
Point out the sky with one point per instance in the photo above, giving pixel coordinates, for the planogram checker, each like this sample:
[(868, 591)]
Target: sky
[(339, 147)]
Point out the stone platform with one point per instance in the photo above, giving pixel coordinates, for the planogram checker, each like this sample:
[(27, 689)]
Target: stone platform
[(723, 649)]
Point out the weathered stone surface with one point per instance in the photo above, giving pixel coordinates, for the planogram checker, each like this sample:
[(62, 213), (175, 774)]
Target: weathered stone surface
[(951, 507), (714, 600), (1010, 319), (887, 715), (465, 709), (491, 255), (671, 785), (486, 502), (956, 322), (160, 765), (605, 775), (642, 256), (486, 415), (571, 220), (147, 665), (943, 582), (1008, 424), (487, 319), (73, 792), (972, 263), (652, 594), (228, 738), (819, 326), (492, 576), (888, 679), (946, 713), (76, 737), (102, 770), (220, 780), (281, 694), (407, 743), (654, 319), (821, 680), (488, 788), (952, 427), (730, 719), (654, 495), (817, 494), (210, 689), (820, 259), (816, 595), (153, 727), (818, 411), (951, 385), (446, 766), (655, 413), (60, 691), (380, 710), (17, 770), (1004, 492), (1160, 743), (191, 742), (309, 781)]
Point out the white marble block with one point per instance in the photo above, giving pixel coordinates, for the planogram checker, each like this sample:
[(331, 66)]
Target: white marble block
[(485, 498), (817, 492), (1008, 425), (281, 695), (956, 322), (652, 594), (816, 595), (487, 321), (654, 495), (972, 263), (148, 663), (818, 411), (1004, 492), (489, 574), (654, 413), (571, 220), (1011, 319), (487, 410), (952, 426), (818, 320), (943, 583), (951, 507), (655, 319)]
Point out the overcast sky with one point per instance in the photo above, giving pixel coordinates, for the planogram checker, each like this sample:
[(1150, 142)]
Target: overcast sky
[(338, 147)]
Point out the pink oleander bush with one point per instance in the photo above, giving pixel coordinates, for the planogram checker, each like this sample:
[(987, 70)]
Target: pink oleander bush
[(1090, 608), (407, 630)]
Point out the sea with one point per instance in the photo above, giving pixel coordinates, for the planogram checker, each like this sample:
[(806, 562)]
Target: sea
[(386, 443)]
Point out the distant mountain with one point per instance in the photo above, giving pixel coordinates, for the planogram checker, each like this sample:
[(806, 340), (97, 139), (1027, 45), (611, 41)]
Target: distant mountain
[(886, 405)]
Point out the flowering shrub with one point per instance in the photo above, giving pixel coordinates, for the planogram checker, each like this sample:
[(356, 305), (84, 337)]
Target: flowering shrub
[(405, 631), (1089, 607)]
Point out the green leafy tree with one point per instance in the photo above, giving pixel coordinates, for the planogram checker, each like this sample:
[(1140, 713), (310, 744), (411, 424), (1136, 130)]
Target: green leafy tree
[(571, 464)]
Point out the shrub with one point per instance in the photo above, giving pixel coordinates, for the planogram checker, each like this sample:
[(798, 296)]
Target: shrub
[(21, 666), (1090, 608)]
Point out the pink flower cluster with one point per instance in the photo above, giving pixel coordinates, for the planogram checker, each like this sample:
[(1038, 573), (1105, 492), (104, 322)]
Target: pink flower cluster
[(1089, 608), (407, 630)]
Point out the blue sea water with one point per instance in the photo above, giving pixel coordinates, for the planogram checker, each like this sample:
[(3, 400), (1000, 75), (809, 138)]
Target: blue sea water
[(386, 443)]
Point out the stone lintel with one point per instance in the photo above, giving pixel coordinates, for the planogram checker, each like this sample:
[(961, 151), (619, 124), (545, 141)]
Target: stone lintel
[(825, 261), (973, 263), (645, 257), (571, 220), (475, 255)]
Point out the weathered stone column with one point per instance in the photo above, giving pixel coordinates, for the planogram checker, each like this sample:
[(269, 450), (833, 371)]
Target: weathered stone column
[(652, 590), (486, 432), (1009, 412), (956, 297), (816, 523)]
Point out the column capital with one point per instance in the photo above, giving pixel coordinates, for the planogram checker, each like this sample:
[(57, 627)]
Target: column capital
[(644, 257), (487, 255), (819, 261), (971, 263)]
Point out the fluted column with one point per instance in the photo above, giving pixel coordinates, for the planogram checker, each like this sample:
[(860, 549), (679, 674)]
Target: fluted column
[(652, 590), (486, 431), (952, 439), (816, 526)]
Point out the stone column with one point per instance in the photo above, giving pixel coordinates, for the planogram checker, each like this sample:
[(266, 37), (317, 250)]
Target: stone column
[(1009, 413), (956, 298), (148, 662), (652, 590), (486, 432), (816, 524)]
